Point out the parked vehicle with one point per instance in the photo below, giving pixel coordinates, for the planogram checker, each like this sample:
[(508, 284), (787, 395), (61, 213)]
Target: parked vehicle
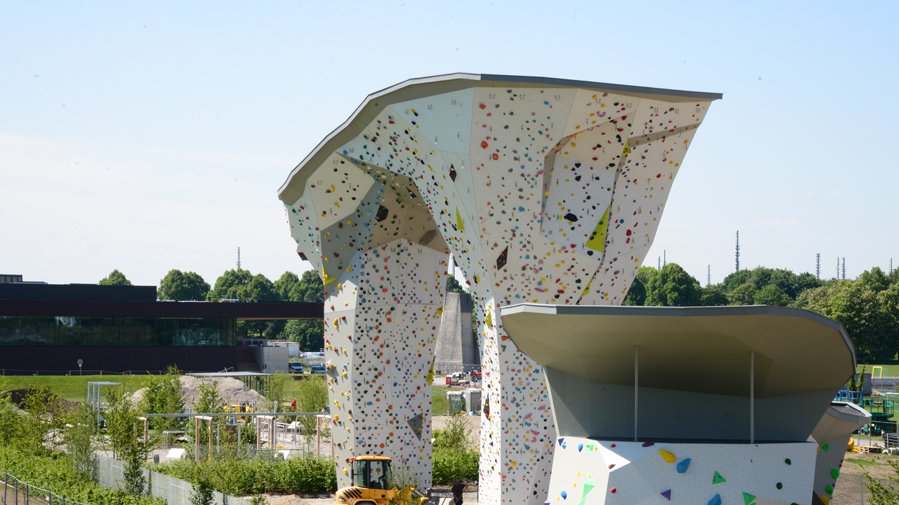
[(317, 369), (295, 367)]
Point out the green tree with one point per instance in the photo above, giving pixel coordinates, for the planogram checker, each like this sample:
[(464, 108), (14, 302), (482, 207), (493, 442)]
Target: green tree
[(888, 301), (121, 421), (732, 281), (312, 396), (275, 389), (208, 401), (772, 295), (286, 285), (79, 443), (859, 309), (874, 279), (309, 289), (183, 286), (636, 294), (231, 285), (115, 278), (673, 286), (744, 294), (713, 295), (162, 395), (310, 334), (453, 286)]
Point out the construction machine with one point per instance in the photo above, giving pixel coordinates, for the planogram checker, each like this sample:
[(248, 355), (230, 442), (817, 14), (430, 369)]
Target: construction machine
[(372, 484)]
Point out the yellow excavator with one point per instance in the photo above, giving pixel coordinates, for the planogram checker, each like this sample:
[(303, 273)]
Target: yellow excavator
[(372, 484)]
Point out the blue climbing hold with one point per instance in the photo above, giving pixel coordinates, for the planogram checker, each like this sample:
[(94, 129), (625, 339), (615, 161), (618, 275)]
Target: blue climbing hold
[(667, 494), (564, 495), (716, 500), (580, 447), (683, 465)]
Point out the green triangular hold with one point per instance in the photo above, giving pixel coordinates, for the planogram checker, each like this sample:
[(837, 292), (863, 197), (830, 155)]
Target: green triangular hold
[(588, 486), (718, 479), (748, 499)]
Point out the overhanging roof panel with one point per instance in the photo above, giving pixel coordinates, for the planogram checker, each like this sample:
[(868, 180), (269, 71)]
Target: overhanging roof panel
[(703, 349)]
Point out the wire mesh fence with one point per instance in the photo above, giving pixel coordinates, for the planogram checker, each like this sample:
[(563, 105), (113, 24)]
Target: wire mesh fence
[(19, 492)]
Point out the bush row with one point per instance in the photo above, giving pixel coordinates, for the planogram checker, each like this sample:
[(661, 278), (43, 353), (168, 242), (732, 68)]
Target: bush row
[(55, 472), (255, 476)]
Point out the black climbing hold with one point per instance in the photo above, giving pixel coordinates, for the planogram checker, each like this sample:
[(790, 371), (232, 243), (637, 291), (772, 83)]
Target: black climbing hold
[(453, 173), (382, 213), (571, 217), (502, 258)]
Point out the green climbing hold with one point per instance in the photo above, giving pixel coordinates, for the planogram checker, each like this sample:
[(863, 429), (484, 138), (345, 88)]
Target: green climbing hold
[(834, 473), (828, 489), (588, 486), (825, 447), (748, 499), (717, 478)]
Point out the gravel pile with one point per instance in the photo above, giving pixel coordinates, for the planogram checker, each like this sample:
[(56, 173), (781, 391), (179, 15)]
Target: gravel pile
[(232, 391)]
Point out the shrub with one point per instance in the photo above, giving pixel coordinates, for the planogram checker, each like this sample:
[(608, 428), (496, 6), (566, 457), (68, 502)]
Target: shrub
[(56, 472), (451, 465), (255, 476)]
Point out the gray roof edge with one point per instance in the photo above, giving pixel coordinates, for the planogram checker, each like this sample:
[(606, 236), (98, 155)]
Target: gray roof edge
[(710, 311), (492, 78)]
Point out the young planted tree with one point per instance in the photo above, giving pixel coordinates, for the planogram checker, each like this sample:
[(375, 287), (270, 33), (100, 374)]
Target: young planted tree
[(80, 445), (163, 396)]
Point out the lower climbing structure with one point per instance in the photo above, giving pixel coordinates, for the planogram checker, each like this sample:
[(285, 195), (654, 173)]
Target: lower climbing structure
[(706, 405)]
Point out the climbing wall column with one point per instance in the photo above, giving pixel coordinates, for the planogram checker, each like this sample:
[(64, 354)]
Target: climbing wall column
[(382, 317)]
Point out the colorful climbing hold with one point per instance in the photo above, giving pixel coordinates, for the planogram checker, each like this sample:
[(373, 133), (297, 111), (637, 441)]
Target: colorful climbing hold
[(668, 456), (828, 489), (597, 240), (646, 444), (716, 500), (564, 494), (667, 494), (588, 486), (825, 447), (748, 499), (683, 465), (613, 490), (835, 473), (718, 478), (580, 447)]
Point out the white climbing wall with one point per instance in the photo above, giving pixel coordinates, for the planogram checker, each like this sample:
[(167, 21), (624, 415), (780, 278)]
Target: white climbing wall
[(545, 192), (599, 472)]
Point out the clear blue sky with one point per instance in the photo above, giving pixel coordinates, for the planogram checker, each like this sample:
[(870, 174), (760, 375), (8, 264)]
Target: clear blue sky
[(153, 136)]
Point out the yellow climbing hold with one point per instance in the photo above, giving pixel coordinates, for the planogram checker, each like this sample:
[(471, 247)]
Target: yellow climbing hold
[(326, 279), (627, 150), (668, 456), (597, 240), (459, 224)]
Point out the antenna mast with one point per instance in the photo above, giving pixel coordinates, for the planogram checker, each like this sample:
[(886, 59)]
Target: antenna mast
[(737, 255)]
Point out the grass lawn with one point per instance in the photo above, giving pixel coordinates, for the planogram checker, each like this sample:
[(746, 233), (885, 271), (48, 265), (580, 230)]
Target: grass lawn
[(73, 388), (438, 400), (891, 370)]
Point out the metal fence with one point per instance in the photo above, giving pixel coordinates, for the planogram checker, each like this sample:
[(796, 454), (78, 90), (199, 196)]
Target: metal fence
[(19, 492)]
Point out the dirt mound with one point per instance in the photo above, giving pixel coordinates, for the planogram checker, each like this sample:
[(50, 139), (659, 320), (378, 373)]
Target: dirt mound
[(232, 391)]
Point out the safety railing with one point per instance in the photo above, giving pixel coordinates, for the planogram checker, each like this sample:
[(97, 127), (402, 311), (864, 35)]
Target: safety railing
[(19, 492)]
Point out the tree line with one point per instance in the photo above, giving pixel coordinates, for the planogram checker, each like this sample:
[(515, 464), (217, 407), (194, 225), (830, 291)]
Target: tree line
[(868, 307), (242, 285)]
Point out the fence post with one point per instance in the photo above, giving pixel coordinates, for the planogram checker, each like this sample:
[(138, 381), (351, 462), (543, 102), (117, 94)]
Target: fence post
[(27, 495)]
